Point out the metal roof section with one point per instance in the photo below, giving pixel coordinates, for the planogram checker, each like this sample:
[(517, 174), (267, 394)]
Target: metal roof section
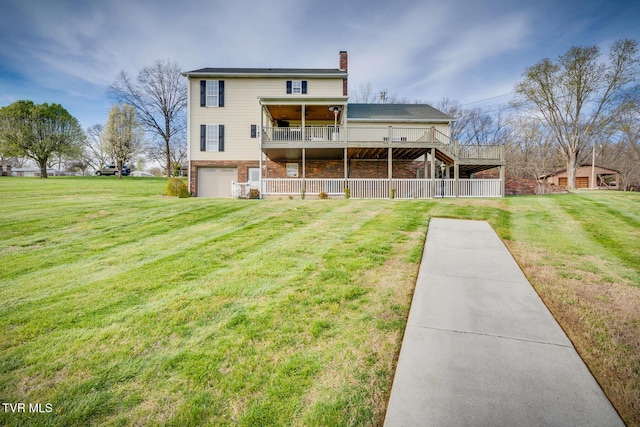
[(396, 113)]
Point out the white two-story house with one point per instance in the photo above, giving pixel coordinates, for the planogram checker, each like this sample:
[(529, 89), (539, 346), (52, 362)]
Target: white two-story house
[(293, 132)]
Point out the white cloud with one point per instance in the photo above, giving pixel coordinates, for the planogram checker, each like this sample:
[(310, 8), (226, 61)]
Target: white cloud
[(416, 49)]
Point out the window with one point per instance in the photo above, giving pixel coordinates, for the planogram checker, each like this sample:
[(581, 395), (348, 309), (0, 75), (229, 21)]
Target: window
[(292, 170), (297, 86), (211, 137), (254, 174), (212, 93)]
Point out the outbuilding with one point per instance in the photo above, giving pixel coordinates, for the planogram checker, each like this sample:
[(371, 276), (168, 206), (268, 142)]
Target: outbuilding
[(586, 176)]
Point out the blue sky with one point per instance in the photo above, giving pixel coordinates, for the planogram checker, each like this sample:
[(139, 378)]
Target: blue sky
[(69, 51)]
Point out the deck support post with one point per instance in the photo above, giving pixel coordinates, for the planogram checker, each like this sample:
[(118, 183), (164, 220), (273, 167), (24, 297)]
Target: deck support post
[(433, 172), (261, 152), (390, 169), (346, 168), (304, 169), (502, 176)]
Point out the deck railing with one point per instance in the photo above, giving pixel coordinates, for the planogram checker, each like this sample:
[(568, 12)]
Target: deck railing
[(311, 133), (485, 152), (354, 134), (394, 134), (381, 188)]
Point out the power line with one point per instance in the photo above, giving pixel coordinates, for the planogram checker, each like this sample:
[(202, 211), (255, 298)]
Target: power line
[(487, 99)]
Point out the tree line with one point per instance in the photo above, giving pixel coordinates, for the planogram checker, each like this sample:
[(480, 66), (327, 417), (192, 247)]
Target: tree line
[(148, 117), (565, 110)]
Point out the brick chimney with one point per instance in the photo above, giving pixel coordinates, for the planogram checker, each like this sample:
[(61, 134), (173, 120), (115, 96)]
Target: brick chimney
[(344, 66)]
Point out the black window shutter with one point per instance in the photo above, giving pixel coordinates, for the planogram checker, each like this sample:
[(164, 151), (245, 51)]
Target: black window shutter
[(203, 93), (289, 86), (220, 137), (254, 131), (221, 93), (304, 86), (203, 137)]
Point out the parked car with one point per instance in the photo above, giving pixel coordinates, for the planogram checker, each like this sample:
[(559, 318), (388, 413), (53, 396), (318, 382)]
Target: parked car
[(113, 170)]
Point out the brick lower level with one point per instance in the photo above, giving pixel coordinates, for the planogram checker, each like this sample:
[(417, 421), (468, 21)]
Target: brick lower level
[(242, 166), (402, 169)]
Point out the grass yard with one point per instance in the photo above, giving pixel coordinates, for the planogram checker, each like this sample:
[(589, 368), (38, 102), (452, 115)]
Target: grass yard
[(123, 307)]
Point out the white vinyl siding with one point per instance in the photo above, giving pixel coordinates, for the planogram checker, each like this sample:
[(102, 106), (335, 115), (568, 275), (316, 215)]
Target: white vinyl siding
[(241, 110)]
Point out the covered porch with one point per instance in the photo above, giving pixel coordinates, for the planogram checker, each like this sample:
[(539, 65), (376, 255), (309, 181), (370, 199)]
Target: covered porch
[(309, 148)]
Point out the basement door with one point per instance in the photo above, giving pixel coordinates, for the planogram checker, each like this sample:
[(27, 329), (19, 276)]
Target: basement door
[(216, 182)]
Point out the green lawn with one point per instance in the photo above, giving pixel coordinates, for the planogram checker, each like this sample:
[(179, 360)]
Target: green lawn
[(123, 307)]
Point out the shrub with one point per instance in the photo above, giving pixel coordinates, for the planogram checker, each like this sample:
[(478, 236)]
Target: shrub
[(254, 193), (302, 194), (176, 188), (347, 193), (323, 195), (393, 193)]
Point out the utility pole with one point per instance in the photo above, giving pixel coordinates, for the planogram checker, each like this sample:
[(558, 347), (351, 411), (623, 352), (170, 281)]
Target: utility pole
[(593, 168)]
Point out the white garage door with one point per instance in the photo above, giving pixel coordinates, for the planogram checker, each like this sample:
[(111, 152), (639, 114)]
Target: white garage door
[(216, 182)]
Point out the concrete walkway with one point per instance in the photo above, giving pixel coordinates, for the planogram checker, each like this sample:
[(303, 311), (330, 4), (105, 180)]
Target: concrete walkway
[(481, 349)]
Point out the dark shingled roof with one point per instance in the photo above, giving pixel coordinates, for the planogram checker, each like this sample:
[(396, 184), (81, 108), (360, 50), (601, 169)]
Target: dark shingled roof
[(267, 71), (396, 112)]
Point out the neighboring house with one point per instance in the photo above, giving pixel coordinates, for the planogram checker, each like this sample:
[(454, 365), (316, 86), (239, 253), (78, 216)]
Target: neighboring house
[(294, 132), (586, 175), (36, 172)]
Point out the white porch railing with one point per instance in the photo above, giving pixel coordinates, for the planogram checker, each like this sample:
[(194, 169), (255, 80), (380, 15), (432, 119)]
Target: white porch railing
[(369, 188), (281, 186), (330, 186), (480, 188), (311, 133), (413, 188), (242, 190), (380, 188)]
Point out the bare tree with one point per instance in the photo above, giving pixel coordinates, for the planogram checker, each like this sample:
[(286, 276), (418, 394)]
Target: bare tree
[(159, 96), (121, 137), (623, 147), (94, 155), (156, 151), (475, 126), (530, 150), (576, 95)]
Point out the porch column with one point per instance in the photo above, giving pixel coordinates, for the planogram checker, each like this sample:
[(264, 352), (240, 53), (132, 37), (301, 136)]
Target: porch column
[(261, 153), (426, 166), (390, 168), (502, 181), (433, 172), (346, 166), (304, 128), (456, 180)]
